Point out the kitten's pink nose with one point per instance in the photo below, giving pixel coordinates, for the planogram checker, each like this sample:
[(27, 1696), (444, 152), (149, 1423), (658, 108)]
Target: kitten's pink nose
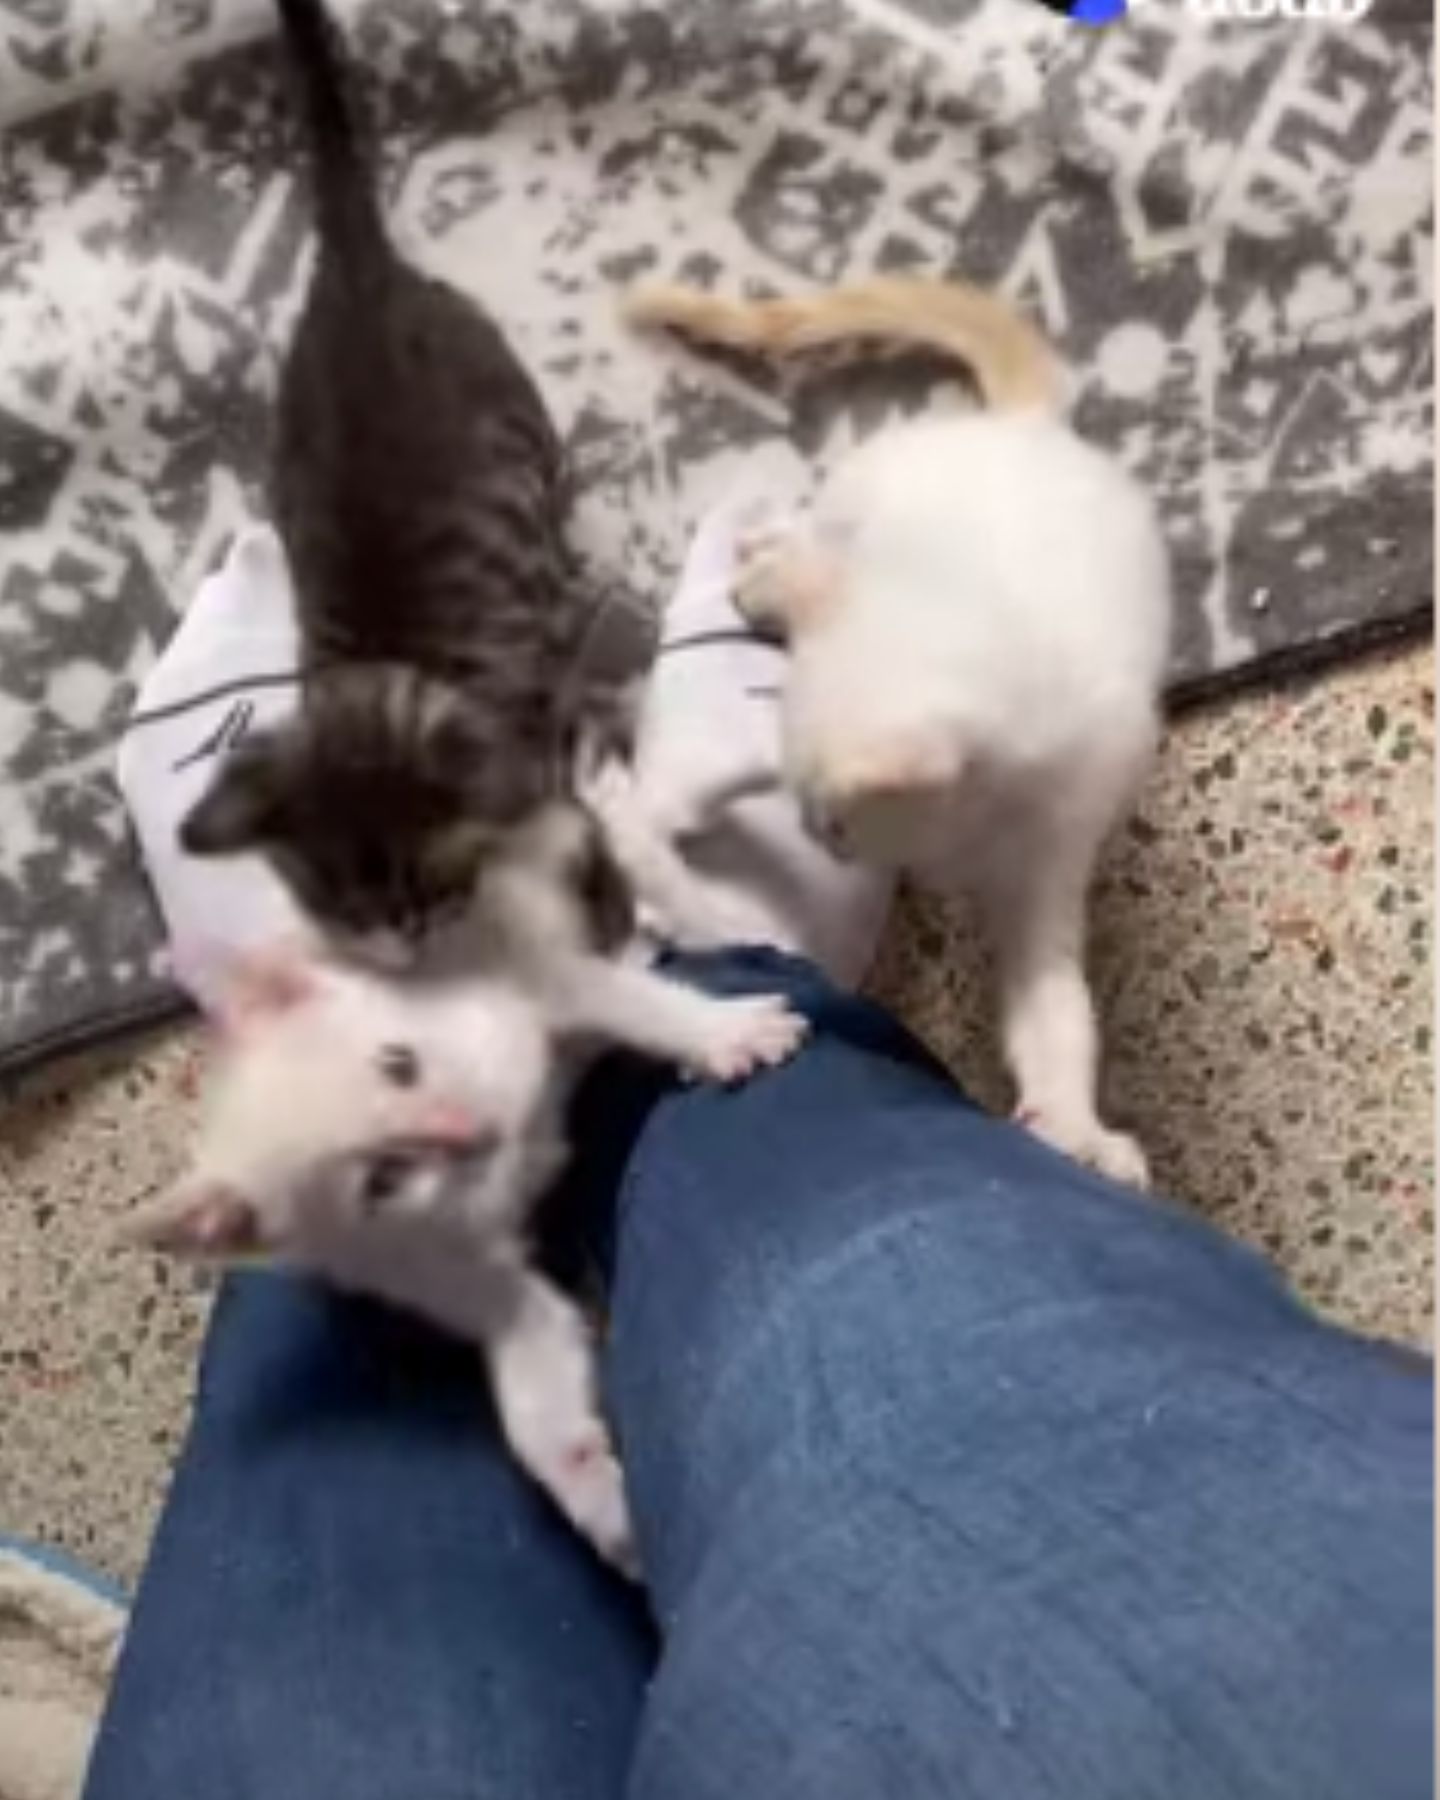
[(453, 1125)]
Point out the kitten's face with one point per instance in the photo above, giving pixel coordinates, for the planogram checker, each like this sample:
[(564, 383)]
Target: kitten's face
[(871, 788), (343, 1107), (378, 806)]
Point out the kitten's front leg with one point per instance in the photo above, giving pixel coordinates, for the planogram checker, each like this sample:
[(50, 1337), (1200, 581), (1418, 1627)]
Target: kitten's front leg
[(720, 1039), (542, 1369), (784, 579), (534, 914)]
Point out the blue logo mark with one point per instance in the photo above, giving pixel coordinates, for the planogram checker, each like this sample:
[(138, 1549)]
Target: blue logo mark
[(1096, 12)]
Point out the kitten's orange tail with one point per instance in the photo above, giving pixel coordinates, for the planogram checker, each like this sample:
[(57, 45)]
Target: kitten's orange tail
[(1013, 363)]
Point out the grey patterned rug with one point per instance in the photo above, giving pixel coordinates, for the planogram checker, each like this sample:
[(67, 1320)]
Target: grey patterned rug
[(1225, 226)]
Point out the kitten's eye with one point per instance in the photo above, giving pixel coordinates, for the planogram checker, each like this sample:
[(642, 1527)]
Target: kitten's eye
[(383, 1180), (399, 1064)]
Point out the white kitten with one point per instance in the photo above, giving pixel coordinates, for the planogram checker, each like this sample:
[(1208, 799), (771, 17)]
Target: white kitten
[(978, 616), (393, 1139), (392, 1133)]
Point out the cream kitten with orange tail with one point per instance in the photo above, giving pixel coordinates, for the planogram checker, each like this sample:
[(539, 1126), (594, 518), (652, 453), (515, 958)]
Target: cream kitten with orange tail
[(978, 617)]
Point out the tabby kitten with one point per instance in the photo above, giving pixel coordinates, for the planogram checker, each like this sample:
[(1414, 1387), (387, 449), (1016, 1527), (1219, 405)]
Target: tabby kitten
[(418, 490)]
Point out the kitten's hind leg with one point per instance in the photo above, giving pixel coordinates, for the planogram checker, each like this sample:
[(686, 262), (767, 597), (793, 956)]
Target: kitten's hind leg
[(542, 1368)]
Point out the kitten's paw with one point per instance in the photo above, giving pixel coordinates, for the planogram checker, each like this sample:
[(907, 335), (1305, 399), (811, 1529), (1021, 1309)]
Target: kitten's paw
[(757, 1032), (590, 1488), (1118, 1155), (764, 557), (1114, 1154)]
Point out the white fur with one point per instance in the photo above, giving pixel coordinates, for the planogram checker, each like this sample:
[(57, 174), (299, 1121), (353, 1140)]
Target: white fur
[(542, 1369), (299, 1086), (299, 1116), (528, 925), (978, 616)]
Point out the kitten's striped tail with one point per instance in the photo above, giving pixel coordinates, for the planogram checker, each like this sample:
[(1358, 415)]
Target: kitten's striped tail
[(1014, 365), (348, 212)]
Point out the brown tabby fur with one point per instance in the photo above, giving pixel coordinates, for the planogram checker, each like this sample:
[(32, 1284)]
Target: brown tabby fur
[(419, 493)]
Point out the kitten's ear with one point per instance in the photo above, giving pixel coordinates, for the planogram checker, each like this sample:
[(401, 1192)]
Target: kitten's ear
[(241, 809), (201, 1219)]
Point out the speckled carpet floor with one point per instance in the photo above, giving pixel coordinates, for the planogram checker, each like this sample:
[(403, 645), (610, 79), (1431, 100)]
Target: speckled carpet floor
[(1264, 953)]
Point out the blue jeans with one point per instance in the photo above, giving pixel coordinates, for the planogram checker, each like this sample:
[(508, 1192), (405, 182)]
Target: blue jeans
[(957, 1472)]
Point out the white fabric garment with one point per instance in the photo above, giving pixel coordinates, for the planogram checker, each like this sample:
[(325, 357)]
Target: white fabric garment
[(229, 670)]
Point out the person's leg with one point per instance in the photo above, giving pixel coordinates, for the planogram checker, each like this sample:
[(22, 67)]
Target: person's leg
[(958, 1471), (355, 1592)]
